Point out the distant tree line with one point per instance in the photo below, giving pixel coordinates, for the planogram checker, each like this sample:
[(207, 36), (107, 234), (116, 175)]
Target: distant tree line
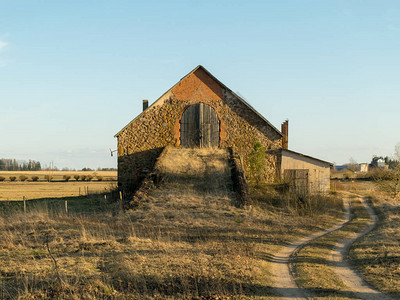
[(106, 169), (7, 164), (99, 169), (18, 165), (90, 169)]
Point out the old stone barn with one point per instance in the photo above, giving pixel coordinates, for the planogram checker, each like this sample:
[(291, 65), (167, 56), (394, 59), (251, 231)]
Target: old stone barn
[(199, 111)]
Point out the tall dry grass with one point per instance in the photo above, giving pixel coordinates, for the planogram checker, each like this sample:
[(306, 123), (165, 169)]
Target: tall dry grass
[(304, 203), (377, 255), (186, 241)]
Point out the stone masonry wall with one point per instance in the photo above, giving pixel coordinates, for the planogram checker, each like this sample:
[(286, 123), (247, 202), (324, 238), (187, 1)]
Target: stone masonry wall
[(141, 141)]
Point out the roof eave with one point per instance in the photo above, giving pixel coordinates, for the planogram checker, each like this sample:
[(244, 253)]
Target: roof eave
[(194, 70), (241, 99), (223, 85), (300, 154)]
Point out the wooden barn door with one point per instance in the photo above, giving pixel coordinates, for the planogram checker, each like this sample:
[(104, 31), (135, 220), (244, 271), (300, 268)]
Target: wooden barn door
[(297, 180), (199, 127)]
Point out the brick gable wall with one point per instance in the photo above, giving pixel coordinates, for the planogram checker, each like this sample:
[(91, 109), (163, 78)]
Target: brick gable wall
[(140, 143)]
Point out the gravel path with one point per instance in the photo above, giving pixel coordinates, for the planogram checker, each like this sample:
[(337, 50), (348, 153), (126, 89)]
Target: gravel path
[(284, 283)]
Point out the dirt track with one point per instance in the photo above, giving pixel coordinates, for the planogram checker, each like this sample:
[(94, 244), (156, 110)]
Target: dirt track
[(343, 268), (284, 282)]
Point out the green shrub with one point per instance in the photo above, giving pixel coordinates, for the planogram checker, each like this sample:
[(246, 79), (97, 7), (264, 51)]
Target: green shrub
[(23, 177), (2, 178), (35, 178), (67, 177), (12, 178), (48, 177), (89, 177), (76, 177), (83, 177), (99, 178), (257, 159)]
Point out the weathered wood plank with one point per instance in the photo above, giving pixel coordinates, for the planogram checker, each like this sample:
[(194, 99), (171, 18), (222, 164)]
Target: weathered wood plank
[(199, 126)]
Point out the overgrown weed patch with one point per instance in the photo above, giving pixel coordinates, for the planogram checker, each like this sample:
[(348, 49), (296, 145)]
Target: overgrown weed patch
[(186, 240)]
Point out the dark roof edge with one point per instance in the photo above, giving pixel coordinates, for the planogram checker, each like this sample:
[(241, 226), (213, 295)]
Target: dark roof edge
[(158, 99), (241, 99), (300, 154), (223, 85)]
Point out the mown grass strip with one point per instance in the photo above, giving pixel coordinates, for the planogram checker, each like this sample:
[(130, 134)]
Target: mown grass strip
[(312, 265)]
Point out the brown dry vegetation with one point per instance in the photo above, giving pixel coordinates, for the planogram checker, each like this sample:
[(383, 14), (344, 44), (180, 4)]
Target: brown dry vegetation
[(377, 255), (16, 190), (313, 266), (58, 175), (185, 241)]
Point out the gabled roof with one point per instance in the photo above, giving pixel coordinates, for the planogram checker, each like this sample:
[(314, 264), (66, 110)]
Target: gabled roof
[(219, 82)]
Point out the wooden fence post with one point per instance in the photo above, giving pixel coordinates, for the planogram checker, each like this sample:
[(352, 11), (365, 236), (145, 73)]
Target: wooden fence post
[(23, 198), (120, 199), (66, 207)]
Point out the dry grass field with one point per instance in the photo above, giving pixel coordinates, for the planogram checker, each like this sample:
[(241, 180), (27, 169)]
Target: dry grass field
[(58, 175), (15, 191), (313, 266), (58, 187), (377, 255), (186, 241)]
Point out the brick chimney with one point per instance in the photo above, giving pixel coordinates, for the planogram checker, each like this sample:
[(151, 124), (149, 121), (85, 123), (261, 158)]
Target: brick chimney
[(145, 104), (285, 132)]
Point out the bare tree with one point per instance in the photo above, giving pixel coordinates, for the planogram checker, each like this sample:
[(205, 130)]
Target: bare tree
[(389, 180), (397, 152), (353, 165)]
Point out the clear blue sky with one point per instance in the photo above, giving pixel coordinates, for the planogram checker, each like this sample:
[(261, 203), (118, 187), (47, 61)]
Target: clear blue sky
[(73, 73)]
